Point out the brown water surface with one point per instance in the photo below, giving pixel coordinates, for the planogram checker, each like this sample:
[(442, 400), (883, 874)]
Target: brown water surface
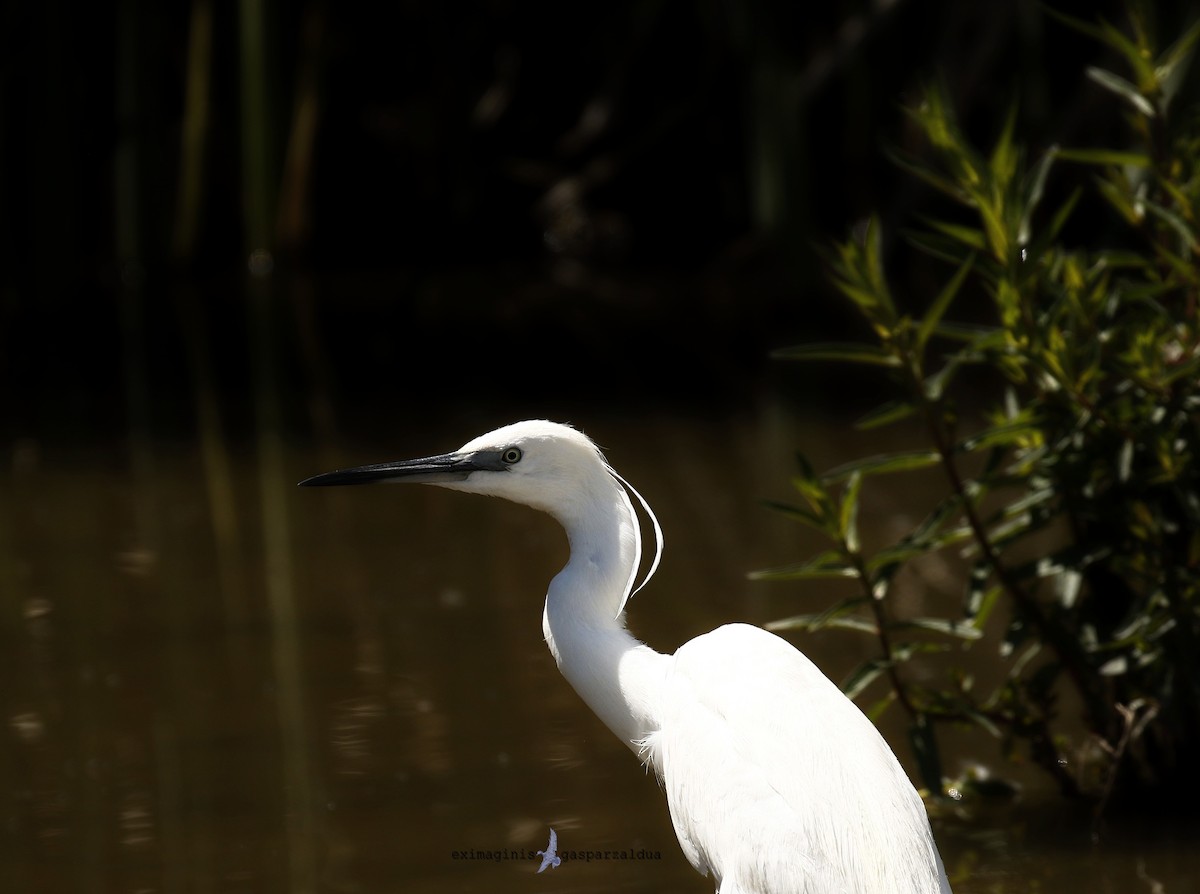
[(229, 684)]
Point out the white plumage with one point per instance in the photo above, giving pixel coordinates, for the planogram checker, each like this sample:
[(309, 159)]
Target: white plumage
[(776, 782)]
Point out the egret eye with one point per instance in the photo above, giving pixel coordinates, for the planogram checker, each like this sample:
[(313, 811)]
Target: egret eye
[(511, 455)]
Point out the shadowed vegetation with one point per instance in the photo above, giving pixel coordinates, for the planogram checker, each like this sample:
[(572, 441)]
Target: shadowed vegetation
[(1076, 498)]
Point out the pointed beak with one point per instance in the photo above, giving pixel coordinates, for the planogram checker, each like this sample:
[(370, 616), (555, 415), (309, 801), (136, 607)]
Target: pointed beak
[(442, 469)]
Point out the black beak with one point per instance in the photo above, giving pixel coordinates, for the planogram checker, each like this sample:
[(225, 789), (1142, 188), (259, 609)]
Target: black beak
[(429, 470)]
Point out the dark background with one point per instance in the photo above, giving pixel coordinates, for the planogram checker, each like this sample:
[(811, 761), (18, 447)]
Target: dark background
[(536, 203)]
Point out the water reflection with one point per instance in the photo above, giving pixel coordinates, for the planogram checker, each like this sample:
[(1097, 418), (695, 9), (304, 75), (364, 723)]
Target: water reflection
[(429, 741)]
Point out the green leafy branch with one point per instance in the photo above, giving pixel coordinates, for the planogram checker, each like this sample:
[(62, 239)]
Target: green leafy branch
[(1086, 459)]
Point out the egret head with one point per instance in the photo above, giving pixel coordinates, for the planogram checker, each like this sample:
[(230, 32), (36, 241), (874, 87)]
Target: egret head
[(546, 465)]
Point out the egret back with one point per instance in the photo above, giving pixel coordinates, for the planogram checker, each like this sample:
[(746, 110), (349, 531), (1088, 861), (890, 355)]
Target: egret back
[(777, 782)]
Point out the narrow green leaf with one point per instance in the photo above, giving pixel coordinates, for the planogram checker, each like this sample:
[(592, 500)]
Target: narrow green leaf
[(863, 676), (1135, 54), (932, 178), (1107, 34), (1013, 529), (1184, 268), (905, 651), (935, 118), (983, 722), (942, 303), (845, 352), (988, 601), (884, 463), (825, 565), (797, 514), (1118, 196), (969, 236), (1036, 495), (885, 414), (848, 518), (943, 248), (1071, 560), (1014, 431), (856, 624), (1123, 89), (927, 537), (843, 610), (884, 564), (924, 744), (1173, 62), (865, 299), (1003, 163), (1178, 194), (1080, 25), (873, 248), (876, 711), (1034, 189), (1128, 633), (806, 469), (1186, 371), (949, 627), (1105, 157), (814, 622), (813, 490), (1175, 222), (993, 225), (1115, 259), (1046, 238), (935, 385), (1177, 53), (966, 331)]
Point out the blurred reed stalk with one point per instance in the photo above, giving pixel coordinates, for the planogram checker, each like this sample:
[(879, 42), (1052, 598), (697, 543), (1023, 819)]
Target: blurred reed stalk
[(214, 449), (258, 188), (179, 847), (295, 219), (100, 811)]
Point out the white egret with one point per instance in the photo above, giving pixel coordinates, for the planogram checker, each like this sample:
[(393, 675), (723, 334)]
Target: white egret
[(776, 782)]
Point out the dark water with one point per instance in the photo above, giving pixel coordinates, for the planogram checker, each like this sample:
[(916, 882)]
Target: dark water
[(214, 681)]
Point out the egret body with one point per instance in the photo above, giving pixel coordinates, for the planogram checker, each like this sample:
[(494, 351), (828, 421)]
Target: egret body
[(776, 782)]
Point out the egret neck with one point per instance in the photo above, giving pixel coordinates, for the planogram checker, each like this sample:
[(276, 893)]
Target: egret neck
[(584, 619)]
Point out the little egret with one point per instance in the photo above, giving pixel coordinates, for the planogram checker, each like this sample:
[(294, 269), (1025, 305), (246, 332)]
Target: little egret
[(776, 782)]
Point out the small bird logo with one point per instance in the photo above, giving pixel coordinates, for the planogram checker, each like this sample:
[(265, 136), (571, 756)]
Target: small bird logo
[(549, 857)]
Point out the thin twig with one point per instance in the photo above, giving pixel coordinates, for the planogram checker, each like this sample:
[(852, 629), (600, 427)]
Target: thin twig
[(1065, 648)]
